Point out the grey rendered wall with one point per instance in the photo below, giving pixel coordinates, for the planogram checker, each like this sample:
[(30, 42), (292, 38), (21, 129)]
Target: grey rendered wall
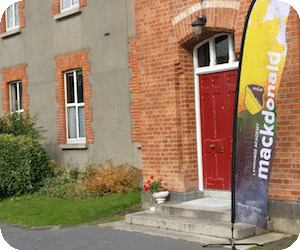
[(43, 38)]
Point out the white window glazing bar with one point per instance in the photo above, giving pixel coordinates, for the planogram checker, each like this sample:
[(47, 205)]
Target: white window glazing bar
[(76, 102), (231, 49), (212, 52), (18, 96)]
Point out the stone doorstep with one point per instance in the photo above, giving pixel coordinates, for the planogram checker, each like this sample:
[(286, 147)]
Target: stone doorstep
[(183, 210), (190, 225), (207, 213), (204, 218)]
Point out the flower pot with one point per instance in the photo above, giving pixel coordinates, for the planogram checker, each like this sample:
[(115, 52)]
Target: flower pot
[(160, 196)]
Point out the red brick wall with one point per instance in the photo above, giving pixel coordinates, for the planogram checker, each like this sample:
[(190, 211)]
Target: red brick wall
[(67, 62), (10, 75), (244, 7), (285, 179), (163, 89), (155, 86), (3, 23), (21, 18), (56, 6), (134, 88)]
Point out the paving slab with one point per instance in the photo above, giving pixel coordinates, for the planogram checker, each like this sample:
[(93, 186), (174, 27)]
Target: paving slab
[(261, 239)]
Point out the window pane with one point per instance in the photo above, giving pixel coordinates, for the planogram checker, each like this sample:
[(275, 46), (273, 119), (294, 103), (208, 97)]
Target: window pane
[(70, 88), (79, 86), (16, 6), (222, 50), (10, 16), (13, 96), (74, 2), (203, 55), (65, 4), (81, 122), (72, 133), (20, 95)]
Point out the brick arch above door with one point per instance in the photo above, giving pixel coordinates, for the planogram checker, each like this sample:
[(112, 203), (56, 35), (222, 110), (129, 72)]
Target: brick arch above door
[(221, 17)]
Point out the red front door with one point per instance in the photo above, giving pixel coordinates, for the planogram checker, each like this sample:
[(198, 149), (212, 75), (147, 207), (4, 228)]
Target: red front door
[(217, 96)]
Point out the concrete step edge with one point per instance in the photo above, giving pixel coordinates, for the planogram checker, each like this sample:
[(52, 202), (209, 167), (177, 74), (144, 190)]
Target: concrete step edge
[(190, 225), (195, 212)]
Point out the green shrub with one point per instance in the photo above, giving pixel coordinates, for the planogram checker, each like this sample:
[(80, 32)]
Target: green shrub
[(24, 165), (66, 183), (78, 190), (93, 181), (55, 168), (20, 124), (56, 187)]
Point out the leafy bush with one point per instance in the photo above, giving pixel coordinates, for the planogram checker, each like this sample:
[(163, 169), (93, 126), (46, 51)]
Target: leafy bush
[(24, 164), (93, 181), (56, 169), (66, 183), (55, 187), (65, 188), (78, 190), (20, 124), (113, 179)]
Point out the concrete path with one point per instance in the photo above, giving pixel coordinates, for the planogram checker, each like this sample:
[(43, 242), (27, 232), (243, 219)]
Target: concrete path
[(119, 235), (89, 238)]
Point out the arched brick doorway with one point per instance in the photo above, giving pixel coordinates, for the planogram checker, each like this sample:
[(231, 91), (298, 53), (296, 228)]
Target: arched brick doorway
[(221, 20), (215, 69)]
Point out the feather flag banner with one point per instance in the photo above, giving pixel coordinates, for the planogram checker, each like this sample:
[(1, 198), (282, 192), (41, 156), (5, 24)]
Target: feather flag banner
[(263, 55)]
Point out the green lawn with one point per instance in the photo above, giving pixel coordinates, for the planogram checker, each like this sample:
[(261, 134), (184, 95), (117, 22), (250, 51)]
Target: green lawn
[(35, 210)]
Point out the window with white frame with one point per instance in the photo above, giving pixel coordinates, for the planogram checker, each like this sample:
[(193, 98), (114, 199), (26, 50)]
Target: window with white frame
[(74, 106), (68, 4), (215, 54), (16, 100), (12, 16)]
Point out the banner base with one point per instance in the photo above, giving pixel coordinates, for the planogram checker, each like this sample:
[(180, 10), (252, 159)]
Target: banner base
[(232, 244)]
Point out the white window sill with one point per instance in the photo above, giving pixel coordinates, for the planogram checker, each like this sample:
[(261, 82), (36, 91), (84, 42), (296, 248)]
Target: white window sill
[(70, 12), (11, 32), (74, 146)]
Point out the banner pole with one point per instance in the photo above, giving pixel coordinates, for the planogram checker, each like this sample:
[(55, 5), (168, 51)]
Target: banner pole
[(234, 132)]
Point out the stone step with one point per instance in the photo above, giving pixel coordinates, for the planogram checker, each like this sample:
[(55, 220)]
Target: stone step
[(192, 225), (184, 210)]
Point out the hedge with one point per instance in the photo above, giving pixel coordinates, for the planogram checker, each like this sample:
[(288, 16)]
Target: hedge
[(24, 164)]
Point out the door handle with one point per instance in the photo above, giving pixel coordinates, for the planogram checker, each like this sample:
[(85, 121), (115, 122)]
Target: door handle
[(212, 146)]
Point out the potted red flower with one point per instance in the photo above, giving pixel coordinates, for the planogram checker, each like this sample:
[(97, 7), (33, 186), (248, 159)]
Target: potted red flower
[(158, 191)]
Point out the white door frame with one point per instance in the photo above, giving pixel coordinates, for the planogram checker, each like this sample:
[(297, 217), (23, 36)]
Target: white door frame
[(212, 68)]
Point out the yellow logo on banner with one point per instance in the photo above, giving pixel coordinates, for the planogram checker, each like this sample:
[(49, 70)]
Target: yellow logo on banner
[(253, 98), (264, 55)]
